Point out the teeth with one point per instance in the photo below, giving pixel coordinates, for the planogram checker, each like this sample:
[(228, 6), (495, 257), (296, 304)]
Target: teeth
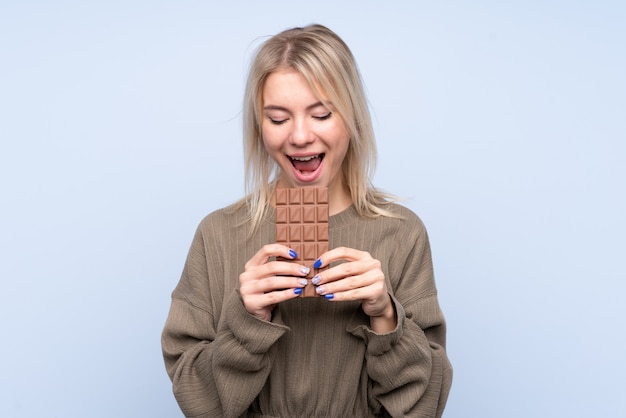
[(304, 158)]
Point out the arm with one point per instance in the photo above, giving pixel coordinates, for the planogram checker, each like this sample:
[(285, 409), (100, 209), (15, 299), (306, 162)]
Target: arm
[(188, 336), (243, 356), (195, 330), (217, 354), (408, 367), (399, 321)]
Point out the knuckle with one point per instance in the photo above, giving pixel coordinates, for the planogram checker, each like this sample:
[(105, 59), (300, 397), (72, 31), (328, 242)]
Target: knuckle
[(373, 264), (272, 298), (266, 251), (348, 268), (342, 251), (246, 288), (353, 282), (379, 286), (270, 248)]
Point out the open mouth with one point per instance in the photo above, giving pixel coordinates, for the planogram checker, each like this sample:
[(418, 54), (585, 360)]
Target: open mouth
[(308, 163)]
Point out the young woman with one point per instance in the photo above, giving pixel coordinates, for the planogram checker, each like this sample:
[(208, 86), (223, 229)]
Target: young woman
[(239, 339)]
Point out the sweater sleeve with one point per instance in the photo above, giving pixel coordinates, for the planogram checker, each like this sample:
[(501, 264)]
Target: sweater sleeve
[(244, 353), (409, 369), (210, 342)]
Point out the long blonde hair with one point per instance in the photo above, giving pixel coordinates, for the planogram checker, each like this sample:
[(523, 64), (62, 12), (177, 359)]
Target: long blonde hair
[(327, 64)]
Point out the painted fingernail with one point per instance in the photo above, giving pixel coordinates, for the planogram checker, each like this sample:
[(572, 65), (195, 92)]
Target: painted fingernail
[(293, 254), (318, 263), (303, 282), (297, 290), (305, 270), (316, 280), (329, 296), (319, 290)]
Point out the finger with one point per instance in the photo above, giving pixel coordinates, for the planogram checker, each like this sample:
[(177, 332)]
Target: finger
[(350, 270), (284, 268), (369, 293), (270, 250), (271, 284), (348, 283), (273, 269), (261, 301), (341, 253)]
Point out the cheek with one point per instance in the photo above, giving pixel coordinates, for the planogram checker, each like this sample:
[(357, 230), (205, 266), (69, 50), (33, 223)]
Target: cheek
[(339, 134), (342, 141), (343, 147), (269, 139), (272, 149)]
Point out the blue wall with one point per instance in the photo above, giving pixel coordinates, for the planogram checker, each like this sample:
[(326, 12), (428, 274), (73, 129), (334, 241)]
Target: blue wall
[(501, 123)]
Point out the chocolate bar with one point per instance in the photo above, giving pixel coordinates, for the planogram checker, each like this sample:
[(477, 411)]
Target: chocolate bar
[(302, 224)]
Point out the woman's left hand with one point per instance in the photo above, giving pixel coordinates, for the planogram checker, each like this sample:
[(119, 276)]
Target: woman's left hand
[(361, 278)]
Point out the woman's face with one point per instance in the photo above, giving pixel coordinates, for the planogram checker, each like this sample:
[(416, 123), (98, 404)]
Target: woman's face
[(307, 139)]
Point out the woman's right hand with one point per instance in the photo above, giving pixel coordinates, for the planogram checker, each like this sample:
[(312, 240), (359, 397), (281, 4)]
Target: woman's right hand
[(265, 283)]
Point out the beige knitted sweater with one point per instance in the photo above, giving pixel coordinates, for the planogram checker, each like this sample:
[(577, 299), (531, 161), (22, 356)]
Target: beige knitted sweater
[(317, 358)]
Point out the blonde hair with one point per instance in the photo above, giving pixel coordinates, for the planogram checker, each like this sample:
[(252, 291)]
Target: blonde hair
[(328, 65)]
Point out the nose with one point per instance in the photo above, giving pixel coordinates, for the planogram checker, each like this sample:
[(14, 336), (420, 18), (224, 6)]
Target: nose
[(301, 134)]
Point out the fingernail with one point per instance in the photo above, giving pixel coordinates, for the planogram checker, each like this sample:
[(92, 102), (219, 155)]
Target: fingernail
[(318, 263), (305, 270), (329, 296), (316, 280), (303, 282), (297, 290), (293, 254), (319, 290)]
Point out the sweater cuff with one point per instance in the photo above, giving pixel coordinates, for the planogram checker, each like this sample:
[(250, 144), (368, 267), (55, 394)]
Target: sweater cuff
[(377, 344), (253, 333)]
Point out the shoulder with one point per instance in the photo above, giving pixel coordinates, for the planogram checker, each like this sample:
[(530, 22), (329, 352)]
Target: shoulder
[(399, 223), (392, 216), (404, 218), (403, 224), (222, 220), (404, 212)]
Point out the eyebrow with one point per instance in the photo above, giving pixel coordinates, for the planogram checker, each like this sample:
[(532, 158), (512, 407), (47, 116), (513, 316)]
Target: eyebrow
[(309, 107)]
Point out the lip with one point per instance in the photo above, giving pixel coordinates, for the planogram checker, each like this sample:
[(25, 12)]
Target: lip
[(309, 177)]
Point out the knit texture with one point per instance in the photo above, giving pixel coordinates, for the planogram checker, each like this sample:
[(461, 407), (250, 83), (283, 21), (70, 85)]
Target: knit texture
[(316, 358)]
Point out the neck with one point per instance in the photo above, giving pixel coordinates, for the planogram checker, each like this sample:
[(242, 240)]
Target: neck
[(339, 198)]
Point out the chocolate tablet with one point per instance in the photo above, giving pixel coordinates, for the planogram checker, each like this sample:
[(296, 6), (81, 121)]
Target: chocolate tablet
[(302, 224)]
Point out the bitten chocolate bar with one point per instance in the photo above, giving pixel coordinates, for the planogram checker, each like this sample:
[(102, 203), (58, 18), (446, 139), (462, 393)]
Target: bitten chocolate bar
[(302, 224)]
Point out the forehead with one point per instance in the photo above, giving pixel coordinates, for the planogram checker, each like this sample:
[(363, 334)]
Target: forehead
[(290, 85)]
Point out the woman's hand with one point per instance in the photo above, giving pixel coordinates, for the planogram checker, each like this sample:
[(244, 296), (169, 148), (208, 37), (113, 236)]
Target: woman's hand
[(265, 283), (360, 277)]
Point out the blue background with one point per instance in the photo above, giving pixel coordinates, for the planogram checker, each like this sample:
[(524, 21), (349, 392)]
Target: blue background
[(501, 123)]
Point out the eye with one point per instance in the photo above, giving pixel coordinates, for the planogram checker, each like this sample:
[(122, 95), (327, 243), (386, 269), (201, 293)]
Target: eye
[(324, 117), (276, 121)]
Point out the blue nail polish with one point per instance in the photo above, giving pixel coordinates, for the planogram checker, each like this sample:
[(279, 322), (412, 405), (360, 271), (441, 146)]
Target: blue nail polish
[(293, 254), (297, 290), (316, 280), (318, 263), (329, 296)]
